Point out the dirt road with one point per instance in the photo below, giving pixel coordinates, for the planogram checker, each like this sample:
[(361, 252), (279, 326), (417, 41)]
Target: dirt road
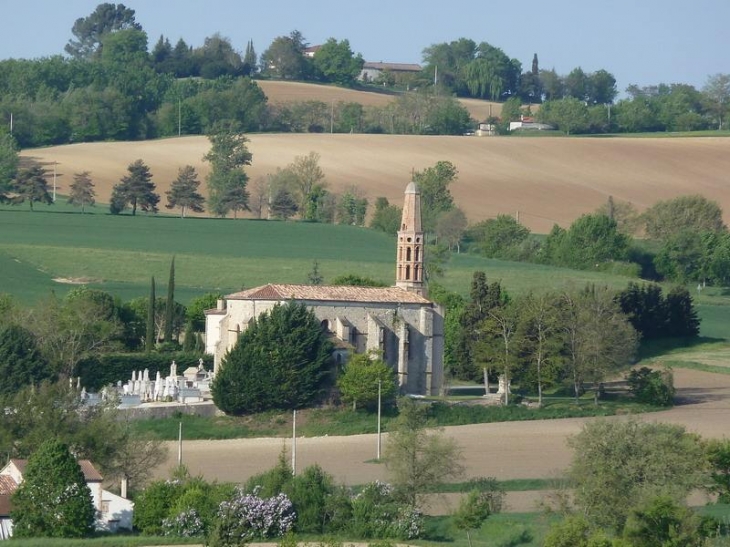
[(507, 450)]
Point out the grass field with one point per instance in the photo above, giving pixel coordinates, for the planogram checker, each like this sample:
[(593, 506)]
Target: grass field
[(120, 253)]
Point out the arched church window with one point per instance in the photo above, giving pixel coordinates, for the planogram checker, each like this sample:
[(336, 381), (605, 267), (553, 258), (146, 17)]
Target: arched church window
[(417, 253), (408, 253), (325, 324), (408, 273)]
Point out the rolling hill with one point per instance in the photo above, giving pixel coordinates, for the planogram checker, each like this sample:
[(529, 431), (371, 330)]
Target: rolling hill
[(548, 180)]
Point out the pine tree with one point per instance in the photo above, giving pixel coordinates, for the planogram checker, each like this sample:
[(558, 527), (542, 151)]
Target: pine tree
[(314, 277), (170, 303), (249, 60), (53, 500), (149, 342), (31, 185), (82, 191), (135, 189), (184, 193)]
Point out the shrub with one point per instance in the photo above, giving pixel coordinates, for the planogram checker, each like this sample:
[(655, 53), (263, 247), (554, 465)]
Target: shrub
[(652, 387), (377, 514)]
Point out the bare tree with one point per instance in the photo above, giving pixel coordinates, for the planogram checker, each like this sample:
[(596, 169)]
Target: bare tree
[(259, 197)]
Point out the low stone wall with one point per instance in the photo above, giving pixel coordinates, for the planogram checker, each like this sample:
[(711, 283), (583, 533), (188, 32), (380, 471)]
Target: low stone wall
[(169, 410)]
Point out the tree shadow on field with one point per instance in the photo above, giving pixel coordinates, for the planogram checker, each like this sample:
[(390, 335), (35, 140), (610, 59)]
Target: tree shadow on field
[(694, 396), (655, 348)]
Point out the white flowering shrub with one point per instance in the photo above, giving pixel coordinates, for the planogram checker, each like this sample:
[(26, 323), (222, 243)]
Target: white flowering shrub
[(247, 517), (377, 514), (186, 524)]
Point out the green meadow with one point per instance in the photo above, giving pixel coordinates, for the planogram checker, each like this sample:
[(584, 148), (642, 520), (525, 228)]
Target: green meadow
[(120, 254)]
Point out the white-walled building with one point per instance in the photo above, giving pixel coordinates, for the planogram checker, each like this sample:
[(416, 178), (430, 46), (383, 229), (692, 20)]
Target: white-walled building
[(398, 322)]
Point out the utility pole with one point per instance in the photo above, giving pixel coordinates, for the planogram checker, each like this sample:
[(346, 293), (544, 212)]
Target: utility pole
[(332, 117), (54, 181), (179, 444), (379, 441), (179, 118), (294, 445)]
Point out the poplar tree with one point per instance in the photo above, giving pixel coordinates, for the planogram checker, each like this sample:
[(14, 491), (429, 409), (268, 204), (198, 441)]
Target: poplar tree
[(170, 304), (149, 342)]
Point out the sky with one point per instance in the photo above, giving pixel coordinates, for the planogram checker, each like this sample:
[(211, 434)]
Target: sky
[(641, 42)]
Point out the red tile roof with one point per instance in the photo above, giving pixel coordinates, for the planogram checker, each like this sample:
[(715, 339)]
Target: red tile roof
[(90, 472), (332, 293), (7, 484)]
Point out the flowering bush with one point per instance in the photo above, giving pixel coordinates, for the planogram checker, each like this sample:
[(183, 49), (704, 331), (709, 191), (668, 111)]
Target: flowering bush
[(187, 524), (377, 514), (248, 517)]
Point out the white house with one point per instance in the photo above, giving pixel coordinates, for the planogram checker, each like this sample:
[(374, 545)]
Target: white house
[(112, 512)]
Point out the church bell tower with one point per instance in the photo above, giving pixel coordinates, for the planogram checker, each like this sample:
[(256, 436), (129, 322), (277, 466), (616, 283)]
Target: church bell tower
[(409, 270)]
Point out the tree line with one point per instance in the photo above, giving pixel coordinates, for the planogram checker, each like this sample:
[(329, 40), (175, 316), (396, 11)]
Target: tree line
[(574, 336)]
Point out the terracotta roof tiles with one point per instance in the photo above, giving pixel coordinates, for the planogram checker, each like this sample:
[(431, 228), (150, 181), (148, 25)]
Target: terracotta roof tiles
[(7, 484), (332, 293), (90, 472)]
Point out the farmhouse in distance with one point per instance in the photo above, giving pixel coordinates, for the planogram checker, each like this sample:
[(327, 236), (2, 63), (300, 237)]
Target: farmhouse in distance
[(398, 322)]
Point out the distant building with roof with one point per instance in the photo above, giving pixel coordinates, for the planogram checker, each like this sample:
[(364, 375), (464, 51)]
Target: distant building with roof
[(398, 322), (112, 512), (400, 73)]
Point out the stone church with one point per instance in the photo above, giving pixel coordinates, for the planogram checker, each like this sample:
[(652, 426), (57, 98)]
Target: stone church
[(398, 322)]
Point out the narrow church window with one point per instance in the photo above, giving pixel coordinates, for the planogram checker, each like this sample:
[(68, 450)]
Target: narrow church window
[(416, 273), (325, 324), (417, 249), (408, 272), (404, 227), (408, 253)]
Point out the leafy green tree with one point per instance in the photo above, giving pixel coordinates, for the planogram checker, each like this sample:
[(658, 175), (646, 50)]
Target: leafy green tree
[(217, 57), (283, 205), (576, 531), (542, 340), (718, 454), (645, 460), (280, 361), (53, 500), (195, 312), (359, 382), (82, 191), (82, 324), (485, 499), (352, 208), (135, 189), (419, 459), (184, 193), (512, 110), (355, 280), (569, 115), (498, 237), (671, 217), (663, 521), (436, 197), (598, 337), (601, 87), (336, 62), (8, 164), (386, 217), (445, 116), (652, 387), (716, 92), (590, 241), (683, 257), (90, 31), (228, 156), (97, 433), (551, 84), (285, 59), (31, 185), (21, 360), (306, 176), (450, 228), (682, 319)]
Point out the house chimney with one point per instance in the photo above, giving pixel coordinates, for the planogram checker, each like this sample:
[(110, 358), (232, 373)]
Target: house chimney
[(123, 487), (221, 304)]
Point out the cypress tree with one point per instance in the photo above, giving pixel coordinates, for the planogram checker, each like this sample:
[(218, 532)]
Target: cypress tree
[(150, 336), (170, 304)]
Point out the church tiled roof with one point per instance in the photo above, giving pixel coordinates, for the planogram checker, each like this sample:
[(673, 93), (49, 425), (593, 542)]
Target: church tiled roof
[(332, 293)]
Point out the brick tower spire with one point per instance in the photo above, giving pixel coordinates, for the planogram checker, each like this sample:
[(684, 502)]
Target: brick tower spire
[(409, 270)]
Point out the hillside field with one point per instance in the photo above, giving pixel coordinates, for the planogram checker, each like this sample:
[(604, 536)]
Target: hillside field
[(45, 251), (548, 180)]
